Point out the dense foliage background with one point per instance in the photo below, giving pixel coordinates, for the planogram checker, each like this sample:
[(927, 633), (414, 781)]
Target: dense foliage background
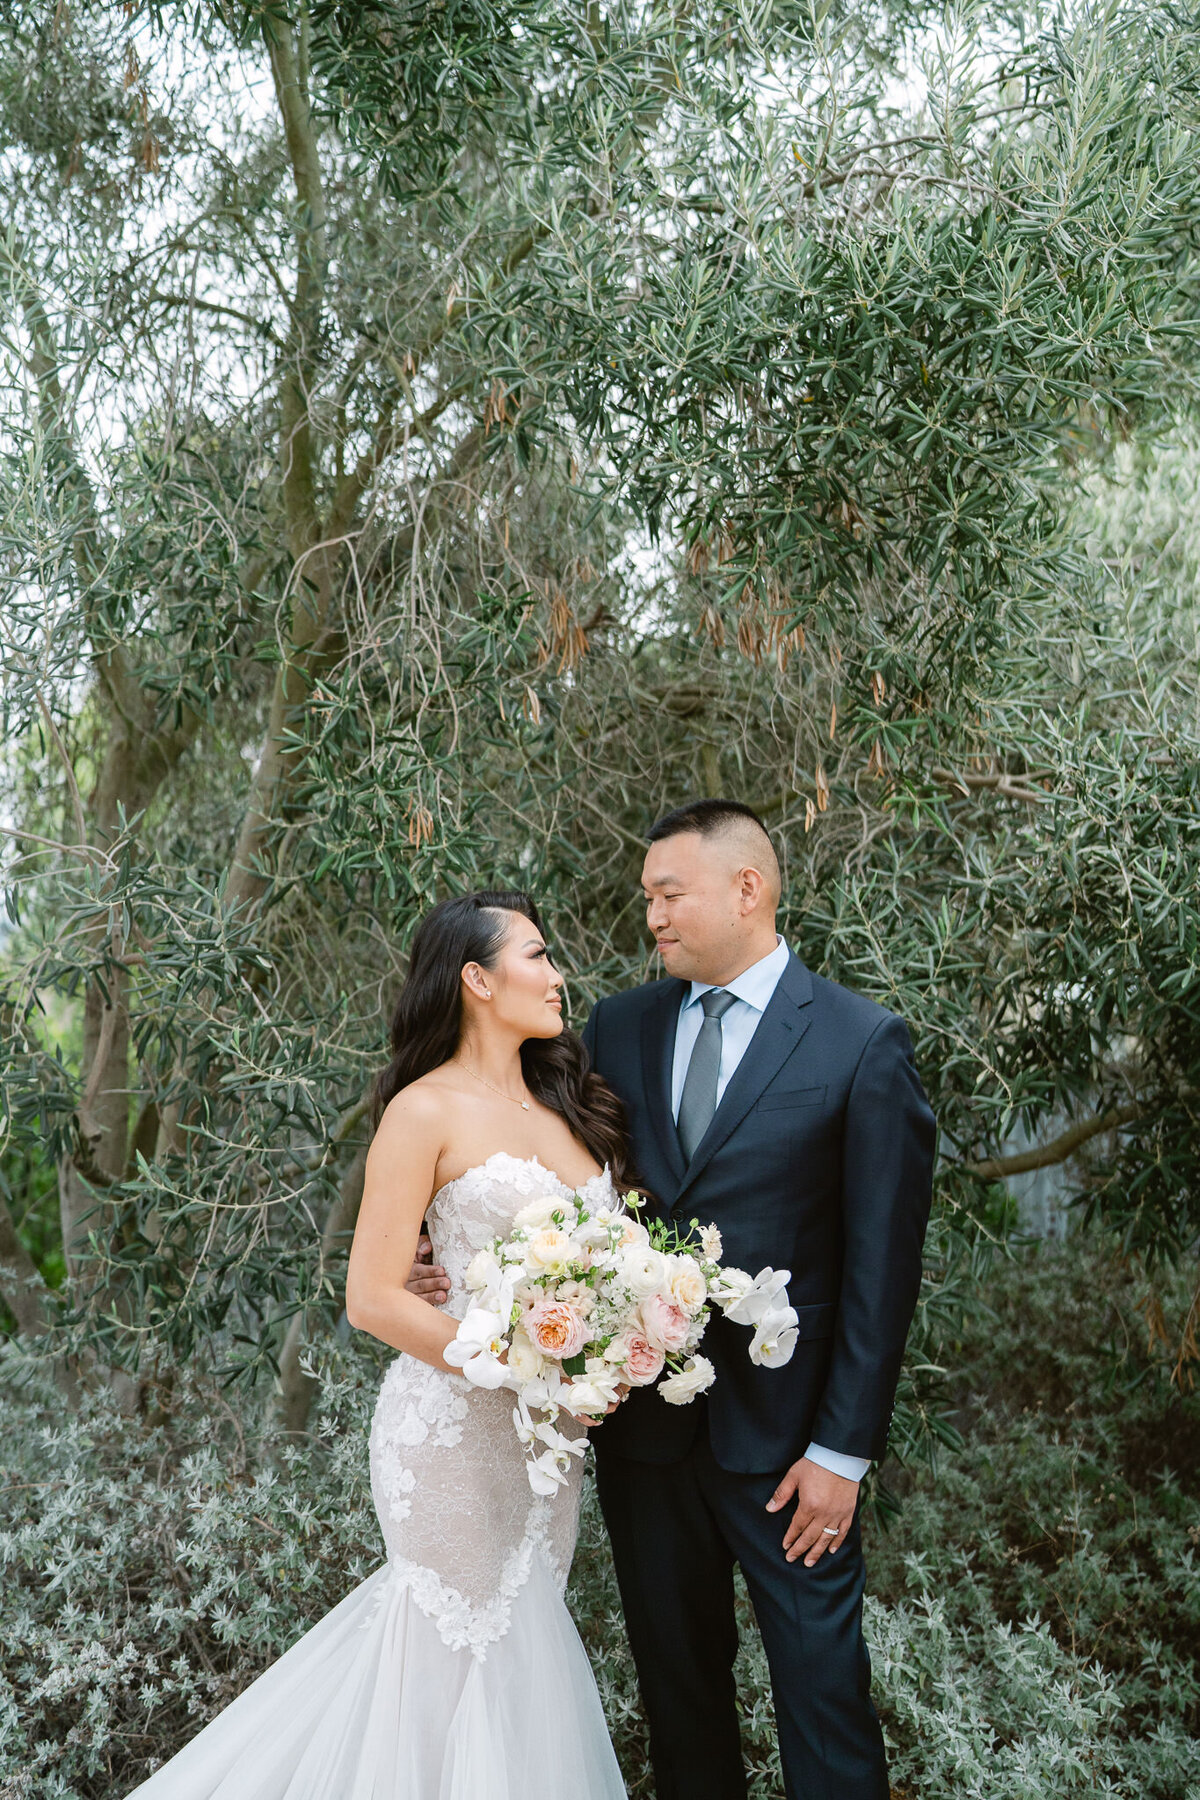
[(445, 435)]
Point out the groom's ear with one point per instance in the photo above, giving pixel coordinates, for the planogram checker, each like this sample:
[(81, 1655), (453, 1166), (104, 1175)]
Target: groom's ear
[(752, 888)]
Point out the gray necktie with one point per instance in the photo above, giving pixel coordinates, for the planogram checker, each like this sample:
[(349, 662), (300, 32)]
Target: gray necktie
[(698, 1102)]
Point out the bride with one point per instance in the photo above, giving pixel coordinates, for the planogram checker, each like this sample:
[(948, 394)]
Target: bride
[(454, 1672)]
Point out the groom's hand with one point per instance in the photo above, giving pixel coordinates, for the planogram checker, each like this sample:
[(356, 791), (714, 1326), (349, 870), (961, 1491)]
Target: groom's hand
[(823, 1499), (426, 1279)]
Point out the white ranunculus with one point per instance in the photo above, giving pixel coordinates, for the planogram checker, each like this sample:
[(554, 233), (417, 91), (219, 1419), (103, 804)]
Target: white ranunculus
[(643, 1269), (683, 1386), (686, 1284), (537, 1213)]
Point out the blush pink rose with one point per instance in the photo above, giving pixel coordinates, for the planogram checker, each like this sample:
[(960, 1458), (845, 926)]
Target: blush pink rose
[(643, 1361), (665, 1324), (558, 1329)]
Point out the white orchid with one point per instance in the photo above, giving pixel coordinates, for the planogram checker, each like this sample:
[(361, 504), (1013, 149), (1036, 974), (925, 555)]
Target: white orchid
[(609, 1270), (478, 1346), (760, 1298), (775, 1338), (730, 1285), (547, 1473)]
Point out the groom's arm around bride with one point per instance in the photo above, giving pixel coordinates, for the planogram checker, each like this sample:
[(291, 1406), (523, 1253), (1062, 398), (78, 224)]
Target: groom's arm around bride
[(787, 1111)]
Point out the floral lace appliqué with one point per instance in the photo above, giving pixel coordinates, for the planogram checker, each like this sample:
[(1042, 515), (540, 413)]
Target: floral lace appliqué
[(447, 1470), (461, 1625)]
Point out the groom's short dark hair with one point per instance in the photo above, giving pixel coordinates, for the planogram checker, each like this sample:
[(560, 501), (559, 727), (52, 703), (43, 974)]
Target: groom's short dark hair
[(707, 817)]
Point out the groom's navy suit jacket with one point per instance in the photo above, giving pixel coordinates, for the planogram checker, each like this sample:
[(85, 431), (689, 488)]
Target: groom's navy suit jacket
[(818, 1159)]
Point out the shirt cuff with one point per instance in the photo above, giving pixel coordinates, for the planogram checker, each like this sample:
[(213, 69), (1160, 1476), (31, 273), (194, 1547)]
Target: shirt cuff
[(850, 1468)]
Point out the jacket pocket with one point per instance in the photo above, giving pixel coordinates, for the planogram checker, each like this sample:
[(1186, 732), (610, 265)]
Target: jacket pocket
[(815, 1321), (809, 1096)]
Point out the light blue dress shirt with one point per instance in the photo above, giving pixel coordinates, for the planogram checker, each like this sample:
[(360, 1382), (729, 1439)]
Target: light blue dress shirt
[(752, 991)]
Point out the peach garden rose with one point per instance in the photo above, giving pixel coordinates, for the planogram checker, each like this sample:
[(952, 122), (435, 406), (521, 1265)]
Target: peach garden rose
[(556, 1328), (577, 1305)]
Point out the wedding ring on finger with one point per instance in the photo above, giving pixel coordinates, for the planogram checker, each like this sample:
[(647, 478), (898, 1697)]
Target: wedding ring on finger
[(831, 1530)]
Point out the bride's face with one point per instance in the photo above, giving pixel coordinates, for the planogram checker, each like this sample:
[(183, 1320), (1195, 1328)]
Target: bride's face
[(524, 984)]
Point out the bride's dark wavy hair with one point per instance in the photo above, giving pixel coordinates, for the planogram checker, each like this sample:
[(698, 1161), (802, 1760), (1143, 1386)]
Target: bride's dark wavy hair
[(427, 1024)]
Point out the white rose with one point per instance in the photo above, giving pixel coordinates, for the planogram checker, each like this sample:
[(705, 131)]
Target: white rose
[(643, 1269), (549, 1248), (523, 1359), (686, 1284), (687, 1383), (483, 1271), (633, 1232), (537, 1213)]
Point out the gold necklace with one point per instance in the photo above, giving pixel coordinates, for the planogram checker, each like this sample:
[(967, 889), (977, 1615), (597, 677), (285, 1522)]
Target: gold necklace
[(523, 1104)]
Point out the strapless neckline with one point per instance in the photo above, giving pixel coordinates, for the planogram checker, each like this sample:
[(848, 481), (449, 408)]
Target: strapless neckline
[(521, 1162)]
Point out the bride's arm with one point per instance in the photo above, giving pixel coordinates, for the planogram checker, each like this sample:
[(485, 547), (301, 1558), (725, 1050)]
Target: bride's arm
[(399, 1179)]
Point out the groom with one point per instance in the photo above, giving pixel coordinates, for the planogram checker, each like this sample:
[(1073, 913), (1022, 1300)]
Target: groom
[(787, 1111)]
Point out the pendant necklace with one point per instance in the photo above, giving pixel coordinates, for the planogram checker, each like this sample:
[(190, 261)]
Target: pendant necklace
[(523, 1104)]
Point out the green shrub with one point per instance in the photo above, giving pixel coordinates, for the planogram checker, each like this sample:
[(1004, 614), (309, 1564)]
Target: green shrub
[(1034, 1615)]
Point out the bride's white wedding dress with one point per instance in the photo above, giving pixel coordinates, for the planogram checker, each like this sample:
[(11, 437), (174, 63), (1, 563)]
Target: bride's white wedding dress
[(454, 1672)]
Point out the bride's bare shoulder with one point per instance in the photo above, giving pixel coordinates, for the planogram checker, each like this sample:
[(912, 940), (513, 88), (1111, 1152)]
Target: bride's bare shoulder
[(425, 1105)]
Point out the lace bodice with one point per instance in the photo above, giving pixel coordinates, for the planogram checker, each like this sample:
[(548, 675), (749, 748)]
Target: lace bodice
[(448, 1477), (481, 1204)]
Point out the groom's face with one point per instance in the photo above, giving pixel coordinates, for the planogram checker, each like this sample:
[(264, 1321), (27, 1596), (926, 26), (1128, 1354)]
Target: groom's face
[(694, 905)]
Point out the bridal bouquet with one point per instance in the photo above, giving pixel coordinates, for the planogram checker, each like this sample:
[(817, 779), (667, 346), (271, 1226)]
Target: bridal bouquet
[(582, 1302)]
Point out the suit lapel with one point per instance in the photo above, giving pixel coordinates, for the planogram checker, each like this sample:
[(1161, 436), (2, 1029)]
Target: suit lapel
[(658, 1055), (780, 1029)]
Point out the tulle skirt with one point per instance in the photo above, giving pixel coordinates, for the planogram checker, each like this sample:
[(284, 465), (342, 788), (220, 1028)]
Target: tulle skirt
[(371, 1704)]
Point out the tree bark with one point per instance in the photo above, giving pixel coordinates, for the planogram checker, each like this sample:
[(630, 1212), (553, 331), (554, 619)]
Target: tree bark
[(21, 1284), (1045, 1156)]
